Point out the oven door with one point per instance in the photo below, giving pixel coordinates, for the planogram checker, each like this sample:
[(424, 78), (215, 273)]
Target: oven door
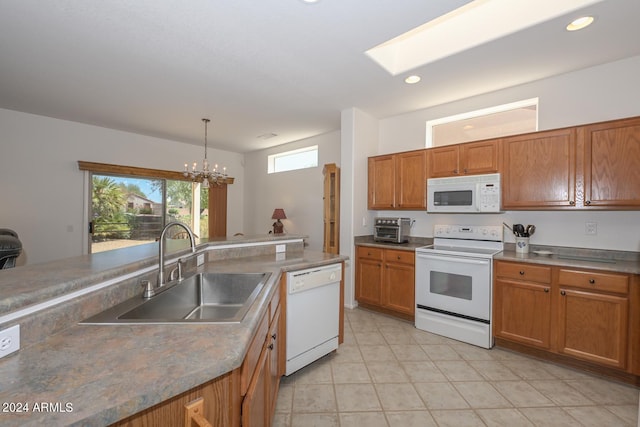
[(454, 285)]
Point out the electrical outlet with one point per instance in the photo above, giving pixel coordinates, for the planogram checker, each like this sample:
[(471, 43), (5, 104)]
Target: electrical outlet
[(281, 248), (591, 228), (9, 340), (200, 260)]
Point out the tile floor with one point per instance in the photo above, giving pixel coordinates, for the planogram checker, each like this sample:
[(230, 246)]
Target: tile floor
[(387, 373)]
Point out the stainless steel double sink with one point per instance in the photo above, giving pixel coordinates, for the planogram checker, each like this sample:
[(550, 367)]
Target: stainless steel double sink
[(202, 298)]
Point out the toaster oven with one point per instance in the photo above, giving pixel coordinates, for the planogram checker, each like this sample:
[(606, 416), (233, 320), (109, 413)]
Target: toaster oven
[(392, 230)]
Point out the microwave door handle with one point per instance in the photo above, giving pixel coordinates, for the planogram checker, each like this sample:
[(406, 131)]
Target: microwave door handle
[(478, 197)]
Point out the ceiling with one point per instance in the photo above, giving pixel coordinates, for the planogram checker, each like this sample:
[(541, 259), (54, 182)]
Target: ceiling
[(255, 67)]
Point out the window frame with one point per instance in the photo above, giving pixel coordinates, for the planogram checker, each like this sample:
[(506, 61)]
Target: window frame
[(430, 124), (272, 159)]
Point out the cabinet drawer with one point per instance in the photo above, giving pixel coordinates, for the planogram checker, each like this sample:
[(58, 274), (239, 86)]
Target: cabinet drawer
[(405, 257), (529, 272), (369, 252), (605, 282), (253, 354)]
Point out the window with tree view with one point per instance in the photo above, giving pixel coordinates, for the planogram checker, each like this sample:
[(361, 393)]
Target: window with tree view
[(129, 211)]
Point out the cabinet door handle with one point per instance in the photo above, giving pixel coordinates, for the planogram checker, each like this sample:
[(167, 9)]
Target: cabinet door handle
[(273, 336), (270, 346), (455, 171), (572, 203), (588, 202), (465, 171), (546, 290), (563, 293), (399, 256), (521, 273), (592, 281)]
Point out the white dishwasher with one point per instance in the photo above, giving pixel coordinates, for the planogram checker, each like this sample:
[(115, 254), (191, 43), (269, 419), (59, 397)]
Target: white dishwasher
[(313, 314)]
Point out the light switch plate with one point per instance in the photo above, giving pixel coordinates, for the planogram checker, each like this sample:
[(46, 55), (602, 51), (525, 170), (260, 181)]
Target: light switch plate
[(591, 228), (9, 340)]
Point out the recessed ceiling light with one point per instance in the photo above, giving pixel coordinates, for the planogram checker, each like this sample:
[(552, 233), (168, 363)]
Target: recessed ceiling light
[(311, 1), (412, 79), (580, 23)]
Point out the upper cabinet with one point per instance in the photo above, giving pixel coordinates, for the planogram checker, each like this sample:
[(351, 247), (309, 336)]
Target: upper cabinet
[(611, 163), (590, 167), (470, 158), (398, 181), (539, 170), (582, 167)]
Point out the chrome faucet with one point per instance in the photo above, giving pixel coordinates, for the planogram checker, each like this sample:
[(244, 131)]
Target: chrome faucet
[(161, 252)]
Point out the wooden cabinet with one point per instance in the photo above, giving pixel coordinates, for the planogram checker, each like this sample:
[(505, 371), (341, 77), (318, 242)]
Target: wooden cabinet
[(369, 275), (593, 316), (611, 158), (470, 158), (331, 211), (539, 170), (585, 167), (382, 182), (522, 304), (398, 181), (258, 405), (385, 280), (584, 315), (398, 285)]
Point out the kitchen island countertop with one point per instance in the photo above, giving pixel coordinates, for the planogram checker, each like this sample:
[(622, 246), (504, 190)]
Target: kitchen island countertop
[(98, 374)]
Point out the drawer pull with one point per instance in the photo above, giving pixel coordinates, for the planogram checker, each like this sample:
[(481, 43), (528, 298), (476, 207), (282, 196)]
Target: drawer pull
[(273, 336), (546, 290), (399, 257), (521, 273), (563, 293), (270, 346), (592, 281)]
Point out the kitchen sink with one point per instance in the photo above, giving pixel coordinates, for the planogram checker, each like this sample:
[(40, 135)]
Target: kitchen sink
[(201, 298)]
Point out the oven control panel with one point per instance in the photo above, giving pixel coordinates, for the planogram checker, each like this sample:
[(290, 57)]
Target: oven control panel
[(469, 232)]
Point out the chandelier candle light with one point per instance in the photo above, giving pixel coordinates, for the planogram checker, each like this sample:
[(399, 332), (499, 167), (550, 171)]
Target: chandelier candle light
[(205, 176)]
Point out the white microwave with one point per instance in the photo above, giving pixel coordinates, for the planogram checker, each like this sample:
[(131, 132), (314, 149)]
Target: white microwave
[(464, 194)]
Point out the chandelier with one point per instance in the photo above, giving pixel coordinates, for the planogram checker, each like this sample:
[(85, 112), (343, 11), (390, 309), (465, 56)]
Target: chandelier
[(205, 176)]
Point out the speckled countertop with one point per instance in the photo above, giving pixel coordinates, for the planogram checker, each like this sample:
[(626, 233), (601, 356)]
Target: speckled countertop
[(28, 285), (106, 373), (411, 245), (594, 259)]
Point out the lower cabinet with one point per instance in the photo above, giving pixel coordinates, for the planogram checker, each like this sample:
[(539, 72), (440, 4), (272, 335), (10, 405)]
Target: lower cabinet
[(584, 315), (593, 317), (522, 304), (385, 280), (258, 405)]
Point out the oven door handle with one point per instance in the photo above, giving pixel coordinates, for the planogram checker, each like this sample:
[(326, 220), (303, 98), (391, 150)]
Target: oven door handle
[(453, 258)]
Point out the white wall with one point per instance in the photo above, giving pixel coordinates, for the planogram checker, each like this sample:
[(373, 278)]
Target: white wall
[(298, 192), (359, 140), (41, 188), (600, 93)]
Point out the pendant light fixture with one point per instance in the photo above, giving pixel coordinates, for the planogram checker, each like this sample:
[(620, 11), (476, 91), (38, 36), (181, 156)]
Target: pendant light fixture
[(205, 176)]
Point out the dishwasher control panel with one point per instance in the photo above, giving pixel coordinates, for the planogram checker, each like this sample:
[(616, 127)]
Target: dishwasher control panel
[(302, 280)]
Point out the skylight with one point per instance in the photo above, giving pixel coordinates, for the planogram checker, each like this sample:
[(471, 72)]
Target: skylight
[(475, 23)]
